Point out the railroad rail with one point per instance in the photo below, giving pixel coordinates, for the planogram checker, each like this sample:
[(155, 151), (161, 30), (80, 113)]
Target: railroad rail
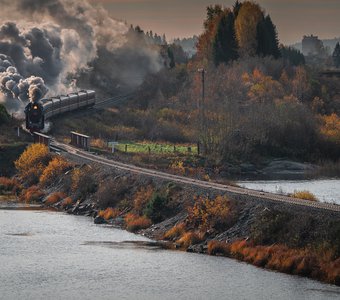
[(114, 100), (194, 182)]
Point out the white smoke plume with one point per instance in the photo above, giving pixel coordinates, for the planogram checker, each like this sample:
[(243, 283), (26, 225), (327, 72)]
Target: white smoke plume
[(48, 43)]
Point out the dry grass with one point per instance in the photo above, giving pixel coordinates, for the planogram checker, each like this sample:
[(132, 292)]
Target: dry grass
[(9, 185), (303, 262), (134, 222), (32, 194), (54, 198), (175, 232), (304, 195), (109, 213)]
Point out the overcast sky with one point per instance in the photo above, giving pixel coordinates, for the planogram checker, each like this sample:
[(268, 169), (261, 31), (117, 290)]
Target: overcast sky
[(184, 18)]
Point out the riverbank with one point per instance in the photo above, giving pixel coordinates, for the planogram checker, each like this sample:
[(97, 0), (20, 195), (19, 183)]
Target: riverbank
[(281, 236)]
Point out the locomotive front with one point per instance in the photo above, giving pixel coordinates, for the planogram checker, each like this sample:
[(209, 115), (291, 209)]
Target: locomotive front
[(34, 116)]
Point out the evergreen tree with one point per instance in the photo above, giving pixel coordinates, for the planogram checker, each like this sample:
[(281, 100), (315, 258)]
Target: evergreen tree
[(293, 56), (336, 56), (267, 40), (224, 43), (236, 8)]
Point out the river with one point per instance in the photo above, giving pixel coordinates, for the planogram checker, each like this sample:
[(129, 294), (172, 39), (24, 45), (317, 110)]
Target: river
[(52, 255), (326, 190)]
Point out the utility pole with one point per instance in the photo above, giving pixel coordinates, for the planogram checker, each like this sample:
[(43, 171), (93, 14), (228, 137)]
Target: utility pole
[(201, 110)]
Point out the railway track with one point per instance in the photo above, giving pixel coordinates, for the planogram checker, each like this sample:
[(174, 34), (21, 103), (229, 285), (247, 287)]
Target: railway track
[(194, 182), (117, 100)]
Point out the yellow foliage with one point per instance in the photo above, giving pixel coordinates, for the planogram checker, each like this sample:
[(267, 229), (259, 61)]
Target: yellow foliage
[(57, 166), (178, 167), (331, 127), (141, 198), (32, 162), (206, 214)]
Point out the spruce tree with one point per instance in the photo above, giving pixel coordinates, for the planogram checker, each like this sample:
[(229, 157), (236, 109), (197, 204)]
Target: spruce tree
[(224, 43), (267, 40), (336, 56)]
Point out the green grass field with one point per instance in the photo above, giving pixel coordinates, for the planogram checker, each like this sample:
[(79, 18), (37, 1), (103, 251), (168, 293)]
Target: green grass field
[(153, 148)]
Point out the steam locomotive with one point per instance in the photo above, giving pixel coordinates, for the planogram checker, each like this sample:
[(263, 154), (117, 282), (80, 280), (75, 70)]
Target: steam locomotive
[(37, 112)]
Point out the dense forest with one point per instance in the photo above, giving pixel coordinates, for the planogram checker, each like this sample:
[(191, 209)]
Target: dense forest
[(243, 95)]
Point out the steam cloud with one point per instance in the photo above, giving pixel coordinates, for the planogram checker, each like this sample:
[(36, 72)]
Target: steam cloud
[(53, 41)]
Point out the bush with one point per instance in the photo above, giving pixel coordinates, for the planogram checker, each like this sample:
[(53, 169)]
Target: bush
[(67, 202), (9, 185), (109, 213), (56, 167), (54, 198), (32, 194), (141, 198), (135, 222), (218, 248), (209, 214), (32, 162), (83, 182), (188, 239), (175, 232), (304, 195), (155, 209)]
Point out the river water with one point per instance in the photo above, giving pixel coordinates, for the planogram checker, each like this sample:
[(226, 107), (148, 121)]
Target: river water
[(326, 190), (52, 255)]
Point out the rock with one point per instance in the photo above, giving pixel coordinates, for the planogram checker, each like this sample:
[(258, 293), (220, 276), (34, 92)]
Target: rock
[(99, 220), (287, 167)]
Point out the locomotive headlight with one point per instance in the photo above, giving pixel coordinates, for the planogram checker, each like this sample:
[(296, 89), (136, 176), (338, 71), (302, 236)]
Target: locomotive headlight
[(35, 107)]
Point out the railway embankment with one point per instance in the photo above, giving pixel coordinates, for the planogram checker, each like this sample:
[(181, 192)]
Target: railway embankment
[(191, 216)]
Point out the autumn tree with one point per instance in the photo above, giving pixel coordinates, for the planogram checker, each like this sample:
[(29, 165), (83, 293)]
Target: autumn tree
[(32, 162), (248, 18)]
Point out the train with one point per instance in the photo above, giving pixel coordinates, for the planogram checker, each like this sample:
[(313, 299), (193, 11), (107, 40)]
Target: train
[(36, 113)]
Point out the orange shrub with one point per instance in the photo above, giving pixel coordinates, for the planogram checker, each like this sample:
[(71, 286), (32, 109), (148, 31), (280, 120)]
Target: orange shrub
[(55, 197), (66, 202), (109, 213), (56, 167), (32, 194), (189, 238), (135, 222), (141, 198), (218, 248), (175, 232), (9, 185), (32, 162)]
